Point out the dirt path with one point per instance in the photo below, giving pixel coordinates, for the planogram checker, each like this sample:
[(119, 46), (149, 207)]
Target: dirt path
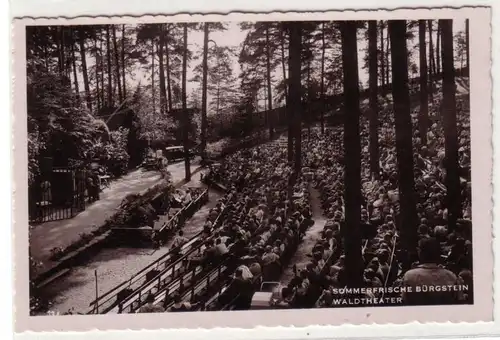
[(301, 258)]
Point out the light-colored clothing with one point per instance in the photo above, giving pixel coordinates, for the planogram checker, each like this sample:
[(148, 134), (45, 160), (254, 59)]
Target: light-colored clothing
[(246, 273), (431, 276), (270, 258), (151, 308), (179, 241), (221, 249)]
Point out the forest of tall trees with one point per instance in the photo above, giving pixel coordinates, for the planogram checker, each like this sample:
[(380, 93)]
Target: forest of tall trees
[(441, 67), (124, 85), (371, 109)]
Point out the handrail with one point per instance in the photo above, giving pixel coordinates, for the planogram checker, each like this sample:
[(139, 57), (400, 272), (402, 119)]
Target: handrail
[(173, 285), (192, 273), (180, 214), (225, 287), (158, 262), (218, 268), (157, 279), (390, 264), (214, 274)]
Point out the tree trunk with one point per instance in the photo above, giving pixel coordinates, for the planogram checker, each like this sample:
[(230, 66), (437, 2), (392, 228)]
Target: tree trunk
[(163, 90), (283, 66), (388, 63), (217, 100), (265, 102), (204, 121), (294, 92), (62, 52), (467, 50), (167, 65), (75, 76), (153, 85), (453, 197), (58, 41), (382, 59), (98, 91), (117, 61), (309, 112), (269, 89), (289, 100), (431, 61), (404, 153), (46, 57), (66, 42), (424, 97), (373, 81), (124, 68), (322, 88), (352, 157), (81, 39), (185, 115), (110, 76), (103, 90), (438, 51)]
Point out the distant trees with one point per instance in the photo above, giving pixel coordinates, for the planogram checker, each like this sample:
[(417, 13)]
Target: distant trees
[(261, 53), (95, 70), (207, 28)]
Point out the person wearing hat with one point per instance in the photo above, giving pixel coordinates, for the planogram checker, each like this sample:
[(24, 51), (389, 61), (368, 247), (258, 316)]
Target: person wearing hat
[(179, 305)]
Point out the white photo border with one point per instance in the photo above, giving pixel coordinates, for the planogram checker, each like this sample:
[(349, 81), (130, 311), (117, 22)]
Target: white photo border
[(482, 192)]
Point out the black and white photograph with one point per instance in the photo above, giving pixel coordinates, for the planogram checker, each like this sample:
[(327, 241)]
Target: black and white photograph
[(249, 165)]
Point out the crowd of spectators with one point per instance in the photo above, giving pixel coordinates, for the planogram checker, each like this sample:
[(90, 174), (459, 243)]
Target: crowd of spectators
[(444, 256), (268, 211)]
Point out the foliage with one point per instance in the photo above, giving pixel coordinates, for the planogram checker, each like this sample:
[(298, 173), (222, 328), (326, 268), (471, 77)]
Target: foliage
[(112, 153)]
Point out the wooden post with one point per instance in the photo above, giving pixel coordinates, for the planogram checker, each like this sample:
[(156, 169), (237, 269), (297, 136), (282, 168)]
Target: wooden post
[(96, 293)]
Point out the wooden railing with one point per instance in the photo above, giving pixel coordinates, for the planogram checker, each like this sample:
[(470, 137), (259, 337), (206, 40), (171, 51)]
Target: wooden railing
[(110, 299), (286, 257), (218, 276), (197, 277), (215, 276), (180, 218), (170, 277)]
